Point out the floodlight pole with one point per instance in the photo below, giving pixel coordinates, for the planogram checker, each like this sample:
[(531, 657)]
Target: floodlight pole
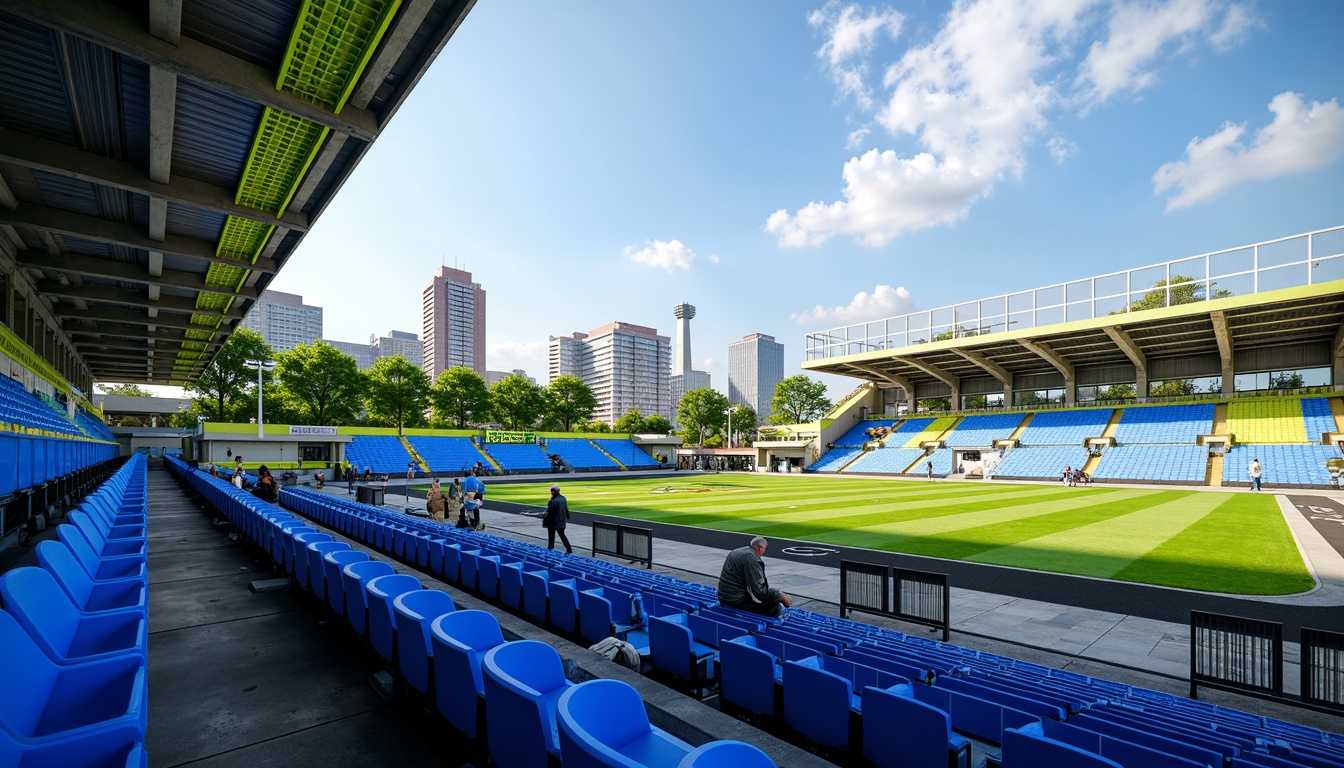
[(730, 426), (261, 366)]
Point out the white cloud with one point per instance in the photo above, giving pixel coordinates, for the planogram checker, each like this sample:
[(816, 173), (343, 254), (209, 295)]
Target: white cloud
[(851, 33), (530, 356), (856, 138), (983, 90), (1139, 33), (713, 258), (884, 301), (671, 255), (707, 364), (1300, 139)]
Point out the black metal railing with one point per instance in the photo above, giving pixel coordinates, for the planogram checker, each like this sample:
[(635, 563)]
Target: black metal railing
[(1323, 668), (1235, 654), (624, 541), (919, 597)]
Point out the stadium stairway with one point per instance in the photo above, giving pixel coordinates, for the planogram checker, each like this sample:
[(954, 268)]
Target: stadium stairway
[(1220, 419), (606, 453), (419, 462), (1022, 427), (481, 445), (1114, 423), (850, 463), (1092, 461), (1214, 478), (1337, 410)]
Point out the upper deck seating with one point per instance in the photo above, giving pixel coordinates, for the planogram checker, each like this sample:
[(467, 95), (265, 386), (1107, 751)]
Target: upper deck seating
[(917, 431), (1158, 424), (1046, 461), (519, 456), (21, 407), (1317, 417), (579, 453), (92, 425), (1280, 464), (1157, 463), (1066, 427), (858, 434), (383, 454), (1277, 420), (982, 431), (626, 452), (446, 455)]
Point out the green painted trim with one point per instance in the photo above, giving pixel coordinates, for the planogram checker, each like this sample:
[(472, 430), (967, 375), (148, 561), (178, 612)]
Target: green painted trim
[(1147, 315), (587, 435), (26, 356)]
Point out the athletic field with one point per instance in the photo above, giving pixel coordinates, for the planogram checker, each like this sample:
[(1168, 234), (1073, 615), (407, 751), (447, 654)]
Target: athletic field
[(1218, 542)]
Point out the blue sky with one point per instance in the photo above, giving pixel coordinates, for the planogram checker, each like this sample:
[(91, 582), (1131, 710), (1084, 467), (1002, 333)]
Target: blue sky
[(789, 167)]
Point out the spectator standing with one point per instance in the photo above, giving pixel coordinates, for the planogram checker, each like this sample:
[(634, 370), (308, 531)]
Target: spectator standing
[(350, 478), (454, 501), (410, 470), (434, 502), (555, 519), (742, 583), (473, 498), (928, 469), (1255, 470)]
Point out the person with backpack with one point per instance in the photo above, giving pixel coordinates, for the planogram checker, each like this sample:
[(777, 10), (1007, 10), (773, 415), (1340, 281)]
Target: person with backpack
[(555, 519)]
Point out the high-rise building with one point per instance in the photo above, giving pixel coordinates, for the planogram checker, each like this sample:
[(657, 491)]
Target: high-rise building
[(625, 365), (408, 345), (755, 366), (454, 316), (284, 321), (684, 379), (363, 353), (494, 377)]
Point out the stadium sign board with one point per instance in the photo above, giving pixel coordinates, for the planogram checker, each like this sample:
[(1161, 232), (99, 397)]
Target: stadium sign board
[(503, 436)]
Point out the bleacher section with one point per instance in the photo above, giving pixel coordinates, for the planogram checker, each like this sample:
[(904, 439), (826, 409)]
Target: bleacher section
[(908, 429), (579, 453), (1046, 461), (932, 429), (1154, 463), (447, 456), (820, 666), (1317, 418), (1280, 465), (383, 454), (1067, 427), (1277, 420), (942, 463), (982, 431), (22, 408), (835, 459), (1160, 424), (515, 457), (888, 460), (857, 435), (629, 454), (92, 426)]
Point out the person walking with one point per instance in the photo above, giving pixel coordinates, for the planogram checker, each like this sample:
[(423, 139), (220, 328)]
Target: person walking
[(434, 502), (350, 478), (928, 468), (1255, 470), (742, 582), (555, 519)]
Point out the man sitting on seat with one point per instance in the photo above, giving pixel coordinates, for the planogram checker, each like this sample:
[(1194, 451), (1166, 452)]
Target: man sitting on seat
[(742, 584)]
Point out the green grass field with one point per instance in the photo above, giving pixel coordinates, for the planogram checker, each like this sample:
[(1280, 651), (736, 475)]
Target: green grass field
[(1218, 542)]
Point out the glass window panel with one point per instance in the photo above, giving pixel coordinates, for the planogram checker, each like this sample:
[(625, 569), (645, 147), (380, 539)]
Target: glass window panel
[(1111, 285), (968, 313), (941, 316), (918, 321), (1283, 252), (1049, 316), (1086, 394), (1229, 262), (993, 324), (1020, 321), (1282, 277), (1079, 311), (1187, 292), (1078, 291), (990, 307), (1048, 297), (1153, 299), (1315, 377), (1020, 302), (1330, 243), (1147, 278), (1195, 269), (1234, 285), (1325, 270), (1112, 306)]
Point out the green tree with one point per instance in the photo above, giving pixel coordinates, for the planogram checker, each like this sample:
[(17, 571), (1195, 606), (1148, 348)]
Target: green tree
[(124, 390), (1173, 388), (569, 401), (632, 423), (1117, 392), (1183, 291), (798, 399), (702, 412), (324, 383), (130, 421), (227, 379), (460, 397), (744, 425), (936, 403), (972, 402), (1286, 380), (593, 426), (184, 419), (516, 402), (657, 425), (397, 393)]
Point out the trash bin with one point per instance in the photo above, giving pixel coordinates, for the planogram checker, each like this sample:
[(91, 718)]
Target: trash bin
[(369, 494)]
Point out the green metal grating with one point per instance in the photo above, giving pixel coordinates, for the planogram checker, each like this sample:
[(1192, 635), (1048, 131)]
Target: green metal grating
[(282, 150), (200, 335), (215, 301), (198, 346), (225, 276), (243, 239), (331, 44)]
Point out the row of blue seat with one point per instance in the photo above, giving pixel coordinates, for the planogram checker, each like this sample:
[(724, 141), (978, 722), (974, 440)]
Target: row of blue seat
[(76, 638), (459, 660)]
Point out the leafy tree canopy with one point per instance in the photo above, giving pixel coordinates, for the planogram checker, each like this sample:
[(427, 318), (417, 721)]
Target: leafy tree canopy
[(656, 425), (631, 423), (743, 423), (1183, 291), (702, 412), (124, 390), (227, 378), (516, 402), (569, 401), (1117, 392), (324, 383), (398, 393), (1174, 388), (595, 426), (460, 397), (1286, 380), (798, 399)]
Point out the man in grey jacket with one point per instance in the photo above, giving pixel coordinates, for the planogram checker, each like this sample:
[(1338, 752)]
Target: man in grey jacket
[(742, 584)]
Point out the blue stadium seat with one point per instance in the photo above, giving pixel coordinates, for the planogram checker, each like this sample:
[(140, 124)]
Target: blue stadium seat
[(317, 566), (88, 595), (726, 754), (1159, 424), (380, 592), (603, 723), (1022, 749), (65, 635), (580, 453), (524, 680), (982, 431), (354, 578), (448, 456), (413, 611), (333, 563), (626, 452), (1070, 426), (900, 732), (460, 640), (675, 651)]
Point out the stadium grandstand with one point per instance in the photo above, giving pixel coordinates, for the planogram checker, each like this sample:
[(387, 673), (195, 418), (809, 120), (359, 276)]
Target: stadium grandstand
[(160, 164)]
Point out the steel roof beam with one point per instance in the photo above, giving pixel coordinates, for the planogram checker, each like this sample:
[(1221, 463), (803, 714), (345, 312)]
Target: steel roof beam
[(70, 319), (1224, 349), (1060, 364), (899, 381), (44, 219), (119, 30), (131, 298), (939, 374), (1004, 376), (94, 266), (63, 160), (1135, 355)]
